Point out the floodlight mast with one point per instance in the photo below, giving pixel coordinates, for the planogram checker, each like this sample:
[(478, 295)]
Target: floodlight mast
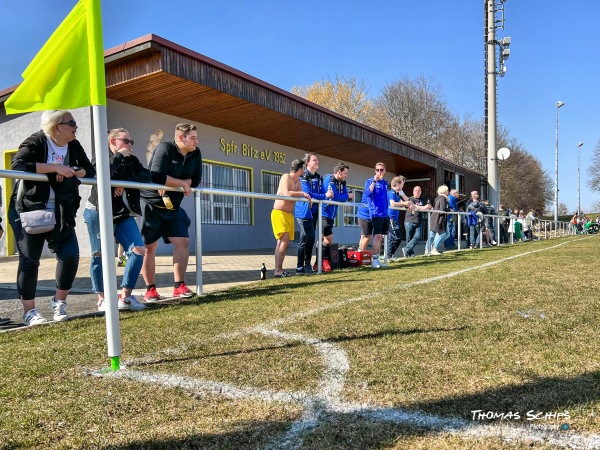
[(491, 8)]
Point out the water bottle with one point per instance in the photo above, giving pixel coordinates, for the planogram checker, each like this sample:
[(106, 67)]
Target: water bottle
[(263, 272)]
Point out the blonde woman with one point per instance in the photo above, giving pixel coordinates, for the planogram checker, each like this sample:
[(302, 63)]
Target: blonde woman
[(54, 151), (438, 220)]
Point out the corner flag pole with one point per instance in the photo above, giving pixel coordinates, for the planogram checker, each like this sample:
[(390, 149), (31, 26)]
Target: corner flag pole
[(109, 269)]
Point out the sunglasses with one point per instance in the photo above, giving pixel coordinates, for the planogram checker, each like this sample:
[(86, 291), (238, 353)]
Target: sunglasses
[(71, 123), (379, 170), (125, 140)]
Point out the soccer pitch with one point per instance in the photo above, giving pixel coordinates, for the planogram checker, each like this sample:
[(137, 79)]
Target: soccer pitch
[(475, 349)]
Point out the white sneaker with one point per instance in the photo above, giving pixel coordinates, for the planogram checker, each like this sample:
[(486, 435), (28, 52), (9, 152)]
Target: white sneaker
[(375, 264), (130, 303), (59, 307), (101, 305), (33, 317), (434, 252), (494, 243)]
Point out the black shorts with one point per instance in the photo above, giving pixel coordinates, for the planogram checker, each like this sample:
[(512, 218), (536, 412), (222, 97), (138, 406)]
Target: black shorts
[(162, 222), (381, 225), (327, 226), (366, 227)]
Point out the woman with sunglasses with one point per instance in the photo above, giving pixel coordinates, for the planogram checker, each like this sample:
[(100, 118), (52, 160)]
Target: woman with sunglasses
[(125, 206), (54, 151)]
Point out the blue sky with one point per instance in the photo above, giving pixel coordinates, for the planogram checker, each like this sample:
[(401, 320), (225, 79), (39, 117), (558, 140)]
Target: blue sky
[(554, 54)]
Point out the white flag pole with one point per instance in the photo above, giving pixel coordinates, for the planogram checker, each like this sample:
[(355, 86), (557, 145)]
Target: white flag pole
[(109, 270)]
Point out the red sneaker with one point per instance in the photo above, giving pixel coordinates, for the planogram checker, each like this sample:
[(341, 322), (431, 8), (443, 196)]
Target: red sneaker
[(183, 291), (326, 265), (152, 295)]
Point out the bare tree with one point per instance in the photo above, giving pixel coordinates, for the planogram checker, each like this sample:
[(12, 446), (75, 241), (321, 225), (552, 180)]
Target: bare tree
[(523, 182), (563, 209), (595, 208), (463, 143), (594, 169), (414, 110), (344, 95)]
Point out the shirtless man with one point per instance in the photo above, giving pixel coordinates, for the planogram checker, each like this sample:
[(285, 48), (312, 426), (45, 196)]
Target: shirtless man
[(282, 216)]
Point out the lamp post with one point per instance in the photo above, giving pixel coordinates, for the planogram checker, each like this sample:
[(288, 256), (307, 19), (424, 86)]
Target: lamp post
[(579, 145), (558, 105)]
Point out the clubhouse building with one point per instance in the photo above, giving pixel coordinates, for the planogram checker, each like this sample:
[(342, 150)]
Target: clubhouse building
[(249, 133)]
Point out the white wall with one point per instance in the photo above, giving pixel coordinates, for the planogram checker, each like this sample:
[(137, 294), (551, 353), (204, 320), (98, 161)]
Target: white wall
[(142, 123)]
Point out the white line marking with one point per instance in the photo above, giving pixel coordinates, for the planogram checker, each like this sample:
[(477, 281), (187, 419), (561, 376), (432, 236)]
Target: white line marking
[(327, 402), (310, 417)]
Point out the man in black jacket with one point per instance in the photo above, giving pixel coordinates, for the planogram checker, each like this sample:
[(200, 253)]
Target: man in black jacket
[(174, 164)]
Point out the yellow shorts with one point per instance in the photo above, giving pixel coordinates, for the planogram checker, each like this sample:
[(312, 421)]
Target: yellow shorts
[(282, 222)]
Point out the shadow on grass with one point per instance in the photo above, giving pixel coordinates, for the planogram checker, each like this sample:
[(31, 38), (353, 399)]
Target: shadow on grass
[(333, 433), (545, 394), (375, 428), (276, 288), (343, 338)]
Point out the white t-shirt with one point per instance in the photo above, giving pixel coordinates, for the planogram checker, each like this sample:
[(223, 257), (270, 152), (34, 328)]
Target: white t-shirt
[(56, 155)]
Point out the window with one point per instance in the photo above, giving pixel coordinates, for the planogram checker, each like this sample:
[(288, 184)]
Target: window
[(224, 209), (454, 180), (270, 182), (449, 179), (350, 218)]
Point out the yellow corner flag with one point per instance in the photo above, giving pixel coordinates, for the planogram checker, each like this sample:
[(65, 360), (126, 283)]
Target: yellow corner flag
[(68, 72)]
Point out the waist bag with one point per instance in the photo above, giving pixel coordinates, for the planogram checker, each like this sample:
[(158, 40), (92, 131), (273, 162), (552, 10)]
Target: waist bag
[(34, 222)]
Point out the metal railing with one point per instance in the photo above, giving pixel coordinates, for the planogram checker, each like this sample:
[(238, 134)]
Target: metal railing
[(563, 228)]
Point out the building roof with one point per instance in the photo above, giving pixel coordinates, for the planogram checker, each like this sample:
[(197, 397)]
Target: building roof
[(153, 73)]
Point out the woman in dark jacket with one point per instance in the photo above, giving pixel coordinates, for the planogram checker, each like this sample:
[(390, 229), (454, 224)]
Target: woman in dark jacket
[(438, 220), (125, 204), (53, 151)]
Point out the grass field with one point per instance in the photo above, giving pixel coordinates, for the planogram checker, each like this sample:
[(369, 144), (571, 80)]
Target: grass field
[(420, 355)]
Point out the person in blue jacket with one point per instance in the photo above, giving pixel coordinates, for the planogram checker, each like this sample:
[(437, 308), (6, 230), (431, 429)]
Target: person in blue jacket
[(335, 182), (307, 213), (377, 199), (452, 219), (397, 198)]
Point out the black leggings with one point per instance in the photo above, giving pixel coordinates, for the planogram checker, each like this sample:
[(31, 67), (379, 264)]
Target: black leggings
[(30, 248)]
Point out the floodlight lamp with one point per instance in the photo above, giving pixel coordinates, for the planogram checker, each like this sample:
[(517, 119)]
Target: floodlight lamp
[(505, 42), (502, 70), (559, 104), (505, 53)]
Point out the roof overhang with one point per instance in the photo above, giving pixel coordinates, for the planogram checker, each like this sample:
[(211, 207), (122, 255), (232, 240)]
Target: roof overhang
[(156, 74)]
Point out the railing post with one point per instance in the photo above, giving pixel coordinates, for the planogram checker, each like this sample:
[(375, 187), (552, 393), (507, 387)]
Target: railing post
[(427, 243), (511, 226), (320, 239), (496, 222), (385, 246), (479, 234), (459, 229), (198, 226)]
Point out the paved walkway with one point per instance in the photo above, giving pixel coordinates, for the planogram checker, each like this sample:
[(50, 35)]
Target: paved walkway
[(220, 271)]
